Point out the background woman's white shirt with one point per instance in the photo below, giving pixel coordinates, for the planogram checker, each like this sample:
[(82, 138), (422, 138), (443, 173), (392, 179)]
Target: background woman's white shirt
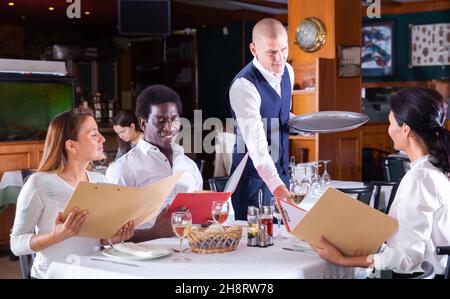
[(42, 197), (422, 208)]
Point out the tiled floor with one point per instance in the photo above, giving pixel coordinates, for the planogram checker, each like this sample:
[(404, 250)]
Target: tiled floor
[(9, 269)]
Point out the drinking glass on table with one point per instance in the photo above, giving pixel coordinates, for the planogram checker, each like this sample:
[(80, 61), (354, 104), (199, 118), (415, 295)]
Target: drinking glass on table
[(181, 225), (278, 216), (220, 211), (299, 190), (326, 178), (315, 180)]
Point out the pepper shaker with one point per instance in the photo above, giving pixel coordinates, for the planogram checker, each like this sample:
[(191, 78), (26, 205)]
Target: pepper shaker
[(263, 236)]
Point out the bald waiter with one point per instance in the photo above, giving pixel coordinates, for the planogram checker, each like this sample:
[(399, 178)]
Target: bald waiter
[(260, 101)]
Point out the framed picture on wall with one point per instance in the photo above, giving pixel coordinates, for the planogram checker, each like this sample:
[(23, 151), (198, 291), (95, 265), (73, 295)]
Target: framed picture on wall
[(429, 45), (377, 57), (349, 58)]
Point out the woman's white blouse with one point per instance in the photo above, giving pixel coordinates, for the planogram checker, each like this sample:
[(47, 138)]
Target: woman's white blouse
[(422, 208), (43, 196)]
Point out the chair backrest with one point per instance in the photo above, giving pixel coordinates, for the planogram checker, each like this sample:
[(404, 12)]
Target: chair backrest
[(200, 165), (377, 185), (218, 184), (428, 272), (364, 194), (445, 250), (26, 173), (26, 261), (373, 168), (396, 167)]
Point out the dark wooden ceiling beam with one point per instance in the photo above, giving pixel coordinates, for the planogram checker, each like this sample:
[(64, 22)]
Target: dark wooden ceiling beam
[(390, 3), (264, 3), (187, 15), (412, 7)]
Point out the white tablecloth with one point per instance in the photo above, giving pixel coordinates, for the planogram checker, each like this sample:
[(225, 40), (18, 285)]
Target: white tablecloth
[(11, 178), (310, 200), (244, 263)]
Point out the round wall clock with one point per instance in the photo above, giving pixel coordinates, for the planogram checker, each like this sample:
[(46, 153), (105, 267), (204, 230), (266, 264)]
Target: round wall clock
[(311, 35)]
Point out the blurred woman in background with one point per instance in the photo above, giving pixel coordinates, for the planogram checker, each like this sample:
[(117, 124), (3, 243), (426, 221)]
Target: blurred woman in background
[(128, 132)]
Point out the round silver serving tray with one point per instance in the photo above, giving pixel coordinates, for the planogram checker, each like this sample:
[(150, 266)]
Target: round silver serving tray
[(327, 121)]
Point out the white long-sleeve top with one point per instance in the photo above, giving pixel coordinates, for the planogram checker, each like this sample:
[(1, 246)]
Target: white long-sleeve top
[(246, 102), (43, 196), (422, 208)]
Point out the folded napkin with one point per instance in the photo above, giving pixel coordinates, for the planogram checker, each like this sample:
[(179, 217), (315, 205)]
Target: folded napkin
[(139, 250), (302, 245)]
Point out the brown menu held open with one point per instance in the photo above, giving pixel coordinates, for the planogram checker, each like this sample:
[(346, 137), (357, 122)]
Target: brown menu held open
[(353, 227), (111, 206)]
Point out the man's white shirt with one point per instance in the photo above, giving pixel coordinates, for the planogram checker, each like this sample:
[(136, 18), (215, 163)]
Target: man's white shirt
[(145, 164)]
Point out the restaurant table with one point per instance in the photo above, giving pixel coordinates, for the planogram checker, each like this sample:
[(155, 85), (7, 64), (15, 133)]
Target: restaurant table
[(244, 263), (310, 200), (10, 186), (11, 178)]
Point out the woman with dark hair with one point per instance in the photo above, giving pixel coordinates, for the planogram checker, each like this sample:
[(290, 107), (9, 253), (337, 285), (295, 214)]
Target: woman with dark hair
[(128, 132), (422, 201), (72, 141)]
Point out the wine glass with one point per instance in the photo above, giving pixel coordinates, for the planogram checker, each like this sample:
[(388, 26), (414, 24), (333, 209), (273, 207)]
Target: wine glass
[(219, 211), (181, 225), (277, 215), (291, 165), (299, 190), (326, 178), (316, 185)]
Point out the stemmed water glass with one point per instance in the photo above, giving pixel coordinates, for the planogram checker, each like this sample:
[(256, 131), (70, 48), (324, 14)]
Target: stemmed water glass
[(316, 185), (326, 178), (220, 211), (181, 225), (277, 215), (291, 166)]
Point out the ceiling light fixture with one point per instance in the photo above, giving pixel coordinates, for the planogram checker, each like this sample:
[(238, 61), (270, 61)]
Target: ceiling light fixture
[(87, 13), (51, 8), (11, 3)]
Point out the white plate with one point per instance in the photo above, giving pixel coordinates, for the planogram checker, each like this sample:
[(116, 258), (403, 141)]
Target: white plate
[(302, 245), (159, 252)]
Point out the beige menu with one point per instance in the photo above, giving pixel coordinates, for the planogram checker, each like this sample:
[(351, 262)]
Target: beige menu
[(352, 226), (111, 206)]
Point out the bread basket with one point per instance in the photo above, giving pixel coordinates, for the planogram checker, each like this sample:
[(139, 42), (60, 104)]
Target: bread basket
[(202, 240)]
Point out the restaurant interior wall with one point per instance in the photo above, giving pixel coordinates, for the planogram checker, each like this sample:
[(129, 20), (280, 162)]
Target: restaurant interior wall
[(401, 48)]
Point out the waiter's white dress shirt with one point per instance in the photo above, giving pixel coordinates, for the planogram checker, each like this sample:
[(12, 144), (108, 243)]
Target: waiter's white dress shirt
[(145, 164), (422, 208), (246, 102)]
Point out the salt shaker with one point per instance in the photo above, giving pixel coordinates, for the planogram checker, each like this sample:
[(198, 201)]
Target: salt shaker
[(263, 236), (253, 222)]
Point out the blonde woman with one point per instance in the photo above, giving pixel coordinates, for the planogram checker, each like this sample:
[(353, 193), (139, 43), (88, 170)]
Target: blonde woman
[(72, 141)]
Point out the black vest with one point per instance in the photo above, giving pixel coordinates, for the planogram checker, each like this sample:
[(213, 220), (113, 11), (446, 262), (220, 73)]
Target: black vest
[(275, 113)]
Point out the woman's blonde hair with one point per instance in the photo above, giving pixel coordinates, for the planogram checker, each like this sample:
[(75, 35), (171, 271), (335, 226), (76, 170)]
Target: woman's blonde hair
[(64, 126)]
